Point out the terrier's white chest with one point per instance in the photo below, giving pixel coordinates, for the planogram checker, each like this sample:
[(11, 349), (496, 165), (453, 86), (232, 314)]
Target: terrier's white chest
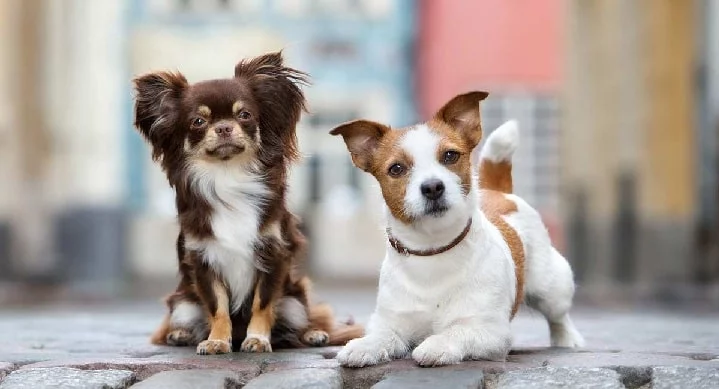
[(426, 294)]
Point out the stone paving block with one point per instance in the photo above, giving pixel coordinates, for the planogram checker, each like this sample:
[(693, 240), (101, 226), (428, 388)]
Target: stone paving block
[(145, 367), (31, 356), (598, 358), (365, 377), (328, 352), (634, 376), (278, 356), (5, 369), (281, 360), (298, 379), (560, 377), (68, 378), (301, 364), (678, 377), (190, 379), (432, 378), (258, 358)]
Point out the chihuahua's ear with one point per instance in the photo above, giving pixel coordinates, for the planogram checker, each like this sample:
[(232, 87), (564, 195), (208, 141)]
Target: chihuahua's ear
[(462, 114), (362, 138), (157, 108), (277, 88)]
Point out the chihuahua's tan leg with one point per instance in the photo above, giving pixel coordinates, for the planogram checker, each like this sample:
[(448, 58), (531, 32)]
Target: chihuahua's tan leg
[(260, 327), (159, 336), (275, 256), (218, 303)]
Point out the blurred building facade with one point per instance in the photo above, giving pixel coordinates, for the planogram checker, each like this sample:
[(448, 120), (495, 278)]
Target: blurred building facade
[(513, 50), (639, 144), (617, 102), (61, 98), (92, 201)]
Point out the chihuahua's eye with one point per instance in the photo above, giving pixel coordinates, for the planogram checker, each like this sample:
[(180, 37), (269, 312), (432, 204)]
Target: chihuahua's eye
[(244, 115), (198, 122), (396, 170), (450, 157)]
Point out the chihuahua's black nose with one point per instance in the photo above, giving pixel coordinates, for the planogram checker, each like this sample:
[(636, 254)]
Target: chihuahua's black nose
[(223, 129), (432, 189)]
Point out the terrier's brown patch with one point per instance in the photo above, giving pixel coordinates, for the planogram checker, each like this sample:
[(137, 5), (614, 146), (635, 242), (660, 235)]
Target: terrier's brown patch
[(495, 206), (453, 140), (496, 176)]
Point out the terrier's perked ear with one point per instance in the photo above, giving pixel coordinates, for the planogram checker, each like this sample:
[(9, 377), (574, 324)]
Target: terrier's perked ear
[(462, 114), (362, 138)]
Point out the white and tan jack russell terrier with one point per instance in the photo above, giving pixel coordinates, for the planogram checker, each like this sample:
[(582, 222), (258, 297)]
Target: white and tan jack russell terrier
[(463, 252)]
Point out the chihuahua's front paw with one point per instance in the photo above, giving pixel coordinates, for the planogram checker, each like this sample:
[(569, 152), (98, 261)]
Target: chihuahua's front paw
[(316, 338), (256, 344), (437, 351), (363, 352), (180, 337), (214, 346)]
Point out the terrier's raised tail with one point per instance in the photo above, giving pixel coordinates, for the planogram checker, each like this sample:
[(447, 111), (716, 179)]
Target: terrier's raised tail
[(495, 162)]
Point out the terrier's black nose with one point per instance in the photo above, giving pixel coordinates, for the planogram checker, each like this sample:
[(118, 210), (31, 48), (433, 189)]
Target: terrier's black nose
[(223, 129), (432, 189)]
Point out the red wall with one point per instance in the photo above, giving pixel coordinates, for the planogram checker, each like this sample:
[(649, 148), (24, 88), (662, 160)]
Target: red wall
[(492, 44)]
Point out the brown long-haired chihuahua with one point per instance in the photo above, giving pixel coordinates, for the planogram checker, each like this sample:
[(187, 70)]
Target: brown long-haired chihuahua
[(226, 146)]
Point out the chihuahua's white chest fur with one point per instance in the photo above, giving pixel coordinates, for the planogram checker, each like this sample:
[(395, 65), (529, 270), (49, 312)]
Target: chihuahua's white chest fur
[(236, 198)]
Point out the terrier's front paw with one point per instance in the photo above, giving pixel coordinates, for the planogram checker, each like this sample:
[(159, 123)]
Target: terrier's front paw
[(437, 351), (362, 352), (256, 344), (567, 339), (316, 338), (214, 346)]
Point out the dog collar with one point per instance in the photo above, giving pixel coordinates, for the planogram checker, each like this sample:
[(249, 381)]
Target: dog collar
[(404, 250)]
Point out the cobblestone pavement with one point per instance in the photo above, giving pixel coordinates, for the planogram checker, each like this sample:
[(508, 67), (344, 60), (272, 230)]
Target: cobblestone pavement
[(97, 346)]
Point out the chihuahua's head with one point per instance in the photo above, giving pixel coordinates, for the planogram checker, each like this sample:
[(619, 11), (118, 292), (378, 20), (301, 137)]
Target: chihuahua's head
[(248, 118), (424, 170)]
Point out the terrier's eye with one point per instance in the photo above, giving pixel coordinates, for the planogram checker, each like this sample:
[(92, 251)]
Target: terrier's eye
[(198, 122), (450, 157), (244, 115), (396, 170)]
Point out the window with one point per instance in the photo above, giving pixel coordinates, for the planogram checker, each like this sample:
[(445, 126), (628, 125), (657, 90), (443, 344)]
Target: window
[(327, 119), (536, 163), (327, 50), (170, 7)]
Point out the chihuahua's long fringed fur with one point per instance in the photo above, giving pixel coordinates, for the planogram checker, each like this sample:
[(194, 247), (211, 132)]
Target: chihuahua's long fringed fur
[(226, 146)]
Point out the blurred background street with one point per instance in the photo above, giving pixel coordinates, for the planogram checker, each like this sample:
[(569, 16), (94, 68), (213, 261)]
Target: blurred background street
[(617, 102)]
